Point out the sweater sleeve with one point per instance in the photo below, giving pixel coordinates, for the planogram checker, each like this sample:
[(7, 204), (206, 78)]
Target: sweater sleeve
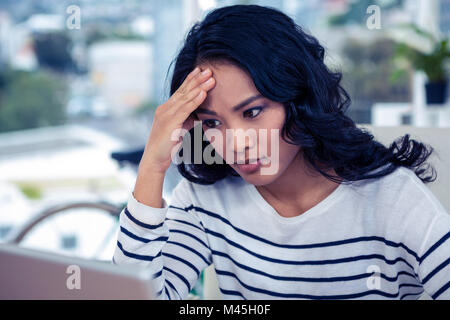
[(171, 241), (434, 260)]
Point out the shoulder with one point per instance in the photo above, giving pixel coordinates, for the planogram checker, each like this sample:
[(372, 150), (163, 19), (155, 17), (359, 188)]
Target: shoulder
[(406, 190), (402, 207), (399, 191), (398, 202)]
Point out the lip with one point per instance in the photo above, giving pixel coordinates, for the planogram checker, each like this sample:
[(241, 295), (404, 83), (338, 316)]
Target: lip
[(249, 167), (247, 161)]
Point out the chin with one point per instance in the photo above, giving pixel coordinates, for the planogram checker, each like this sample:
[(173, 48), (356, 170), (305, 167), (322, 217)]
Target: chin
[(257, 178)]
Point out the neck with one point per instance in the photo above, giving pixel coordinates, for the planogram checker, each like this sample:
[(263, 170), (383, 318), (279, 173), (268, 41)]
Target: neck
[(299, 188)]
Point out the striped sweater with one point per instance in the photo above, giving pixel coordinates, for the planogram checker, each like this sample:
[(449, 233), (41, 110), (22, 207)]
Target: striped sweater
[(384, 238)]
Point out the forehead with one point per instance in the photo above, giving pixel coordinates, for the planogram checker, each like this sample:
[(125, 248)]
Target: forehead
[(233, 85)]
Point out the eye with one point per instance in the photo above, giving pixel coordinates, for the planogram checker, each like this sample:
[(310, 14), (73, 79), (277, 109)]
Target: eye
[(252, 113), (208, 124)]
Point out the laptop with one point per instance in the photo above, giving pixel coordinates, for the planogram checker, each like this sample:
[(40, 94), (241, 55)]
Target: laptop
[(32, 274)]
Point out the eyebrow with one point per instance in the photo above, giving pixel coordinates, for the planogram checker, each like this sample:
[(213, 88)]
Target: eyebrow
[(234, 109)]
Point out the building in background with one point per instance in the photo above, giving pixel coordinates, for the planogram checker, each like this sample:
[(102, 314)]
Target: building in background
[(444, 16), (121, 72), (170, 26), (16, 46)]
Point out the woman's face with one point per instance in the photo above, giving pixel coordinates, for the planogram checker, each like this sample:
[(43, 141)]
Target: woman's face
[(259, 119)]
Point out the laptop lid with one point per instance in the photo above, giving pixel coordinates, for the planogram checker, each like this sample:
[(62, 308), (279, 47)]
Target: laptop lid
[(32, 274)]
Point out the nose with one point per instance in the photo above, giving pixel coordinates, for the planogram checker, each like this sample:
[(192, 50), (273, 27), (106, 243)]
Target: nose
[(242, 141)]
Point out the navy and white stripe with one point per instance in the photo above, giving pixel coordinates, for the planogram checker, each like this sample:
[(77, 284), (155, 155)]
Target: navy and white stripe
[(359, 245)]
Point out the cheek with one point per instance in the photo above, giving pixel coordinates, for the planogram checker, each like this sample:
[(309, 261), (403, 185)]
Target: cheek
[(217, 139), (287, 152), (279, 151), (276, 146)]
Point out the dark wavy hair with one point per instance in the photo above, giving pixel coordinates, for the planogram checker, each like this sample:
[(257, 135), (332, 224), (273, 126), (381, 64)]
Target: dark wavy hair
[(287, 66)]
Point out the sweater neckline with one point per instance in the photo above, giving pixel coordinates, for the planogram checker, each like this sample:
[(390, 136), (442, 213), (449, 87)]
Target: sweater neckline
[(314, 211)]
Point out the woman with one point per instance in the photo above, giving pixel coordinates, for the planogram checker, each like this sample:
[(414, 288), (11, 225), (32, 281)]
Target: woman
[(320, 211)]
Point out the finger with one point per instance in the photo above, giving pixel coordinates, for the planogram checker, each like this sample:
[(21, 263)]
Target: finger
[(177, 102), (183, 87), (186, 87), (186, 98), (191, 75), (184, 113), (189, 123), (187, 108), (206, 86), (198, 79)]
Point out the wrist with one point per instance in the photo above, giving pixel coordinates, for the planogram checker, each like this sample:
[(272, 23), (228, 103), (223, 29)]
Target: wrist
[(151, 169)]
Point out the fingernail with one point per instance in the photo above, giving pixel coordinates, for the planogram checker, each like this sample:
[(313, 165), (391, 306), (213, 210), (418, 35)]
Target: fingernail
[(205, 71)]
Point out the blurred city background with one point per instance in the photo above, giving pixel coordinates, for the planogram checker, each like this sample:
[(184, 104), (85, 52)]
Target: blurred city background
[(81, 79)]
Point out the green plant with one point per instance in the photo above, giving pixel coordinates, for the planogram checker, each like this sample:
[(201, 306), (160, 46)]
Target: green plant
[(432, 63), (31, 100), (31, 191)]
